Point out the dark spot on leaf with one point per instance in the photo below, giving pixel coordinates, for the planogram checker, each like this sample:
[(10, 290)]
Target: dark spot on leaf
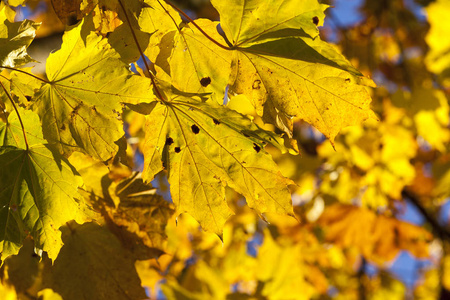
[(108, 34), (256, 84), (316, 21), (164, 164), (93, 108), (169, 141), (246, 135), (217, 122), (195, 129), (256, 147), (177, 149), (347, 79), (205, 81), (28, 98), (63, 127)]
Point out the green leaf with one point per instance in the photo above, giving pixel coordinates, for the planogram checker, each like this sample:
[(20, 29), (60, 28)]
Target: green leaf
[(38, 188), (15, 37), (80, 108), (93, 265), (38, 192), (205, 147), (283, 66)]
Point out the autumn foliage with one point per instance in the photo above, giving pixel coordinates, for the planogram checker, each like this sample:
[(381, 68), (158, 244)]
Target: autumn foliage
[(239, 156)]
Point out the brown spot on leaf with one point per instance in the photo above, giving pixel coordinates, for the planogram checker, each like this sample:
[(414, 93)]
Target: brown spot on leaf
[(177, 149), (195, 129), (315, 21), (28, 98), (205, 81), (256, 84), (256, 147), (169, 141), (217, 122)]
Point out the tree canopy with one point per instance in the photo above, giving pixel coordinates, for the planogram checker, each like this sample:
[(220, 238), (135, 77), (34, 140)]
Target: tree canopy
[(224, 150)]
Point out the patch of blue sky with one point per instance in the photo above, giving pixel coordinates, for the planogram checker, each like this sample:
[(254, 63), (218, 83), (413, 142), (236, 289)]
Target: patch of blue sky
[(408, 268)]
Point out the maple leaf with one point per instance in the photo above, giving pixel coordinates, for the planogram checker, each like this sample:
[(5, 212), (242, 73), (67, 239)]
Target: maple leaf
[(205, 147), (38, 189), (90, 249), (15, 37), (80, 107), (280, 63)]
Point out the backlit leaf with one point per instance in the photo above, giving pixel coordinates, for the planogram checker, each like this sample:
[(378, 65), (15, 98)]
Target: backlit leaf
[(288, 70), (38, 189), (39, 194), (80, 107), (205, 147)]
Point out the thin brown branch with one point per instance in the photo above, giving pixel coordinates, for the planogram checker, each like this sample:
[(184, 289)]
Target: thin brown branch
[(198, 27), (152, 77), (438, 229)]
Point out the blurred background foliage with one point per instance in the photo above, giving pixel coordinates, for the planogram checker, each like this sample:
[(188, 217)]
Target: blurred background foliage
[(374, 211)]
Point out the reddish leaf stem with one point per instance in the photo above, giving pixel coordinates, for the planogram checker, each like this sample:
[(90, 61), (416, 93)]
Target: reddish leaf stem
[(152, 77), (18, 115), (198, 27)]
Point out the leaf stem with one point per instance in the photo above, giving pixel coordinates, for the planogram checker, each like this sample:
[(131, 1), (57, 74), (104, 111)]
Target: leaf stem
[(152, 77), (18, 115), (198, 27), (21, 71)]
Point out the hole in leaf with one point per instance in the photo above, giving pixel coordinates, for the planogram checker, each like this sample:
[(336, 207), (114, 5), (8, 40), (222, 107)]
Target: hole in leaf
[(205, 81), (169, 141), (217, 122), (177, 149), (256, 147), (315, 21), (195, 129)]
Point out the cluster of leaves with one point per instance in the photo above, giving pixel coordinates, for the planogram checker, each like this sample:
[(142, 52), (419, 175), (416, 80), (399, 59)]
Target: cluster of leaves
[(101, 231)]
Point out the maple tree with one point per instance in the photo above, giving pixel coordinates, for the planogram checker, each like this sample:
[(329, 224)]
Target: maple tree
[(272, 167)]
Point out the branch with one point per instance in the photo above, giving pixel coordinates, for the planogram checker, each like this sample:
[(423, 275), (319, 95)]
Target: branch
[(440, 230), (152, 77), (198, 27)]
